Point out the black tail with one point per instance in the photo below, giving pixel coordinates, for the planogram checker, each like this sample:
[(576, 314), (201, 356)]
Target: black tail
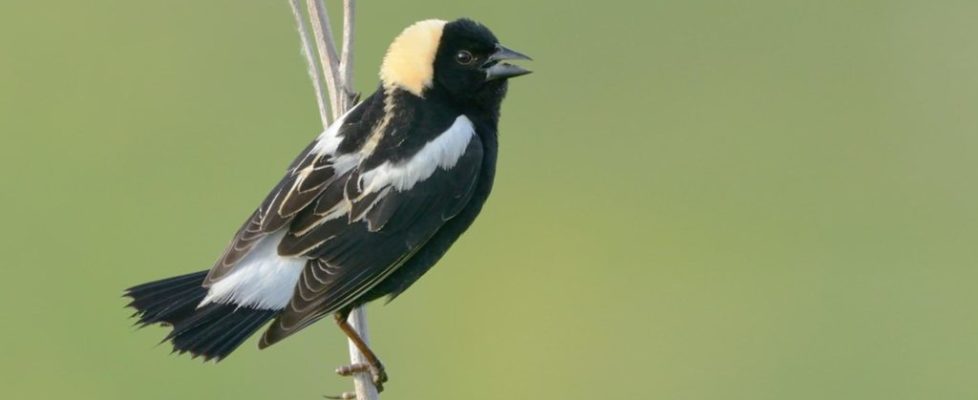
[(212, 331)]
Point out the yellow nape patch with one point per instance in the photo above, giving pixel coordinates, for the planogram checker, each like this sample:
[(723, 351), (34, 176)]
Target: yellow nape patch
[(409, 63)]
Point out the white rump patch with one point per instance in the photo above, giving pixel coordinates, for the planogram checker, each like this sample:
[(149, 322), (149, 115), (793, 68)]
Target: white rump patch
[(444, 152), (263, 279)]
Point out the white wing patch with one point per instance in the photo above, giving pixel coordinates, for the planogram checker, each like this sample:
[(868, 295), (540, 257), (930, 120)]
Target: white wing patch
[(444, 152)]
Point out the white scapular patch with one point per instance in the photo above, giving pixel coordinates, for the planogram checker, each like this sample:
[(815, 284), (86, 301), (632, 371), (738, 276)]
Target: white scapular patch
[(263, 279), (444, 152), (330, 139)]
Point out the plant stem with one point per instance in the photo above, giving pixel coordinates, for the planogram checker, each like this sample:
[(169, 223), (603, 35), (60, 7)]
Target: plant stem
[(337, 72), (346, 58), (362, 382), (319, 19), (311, 67)]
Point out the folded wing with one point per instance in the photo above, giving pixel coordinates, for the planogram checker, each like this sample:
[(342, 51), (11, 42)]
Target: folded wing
[(365, 224)]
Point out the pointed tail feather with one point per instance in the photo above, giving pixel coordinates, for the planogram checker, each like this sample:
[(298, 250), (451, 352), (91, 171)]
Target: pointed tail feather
[(212, 331)]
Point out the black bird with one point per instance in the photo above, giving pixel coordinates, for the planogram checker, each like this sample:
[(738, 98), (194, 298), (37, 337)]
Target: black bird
[(365, 210)]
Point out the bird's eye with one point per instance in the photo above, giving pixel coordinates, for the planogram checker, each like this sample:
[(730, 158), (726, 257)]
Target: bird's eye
[(464, 57)]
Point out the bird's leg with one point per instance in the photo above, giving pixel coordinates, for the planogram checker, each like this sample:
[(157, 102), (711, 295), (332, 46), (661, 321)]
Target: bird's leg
[(373, 363)]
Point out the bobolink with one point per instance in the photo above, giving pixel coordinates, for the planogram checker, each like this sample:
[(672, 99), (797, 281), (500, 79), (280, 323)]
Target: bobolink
[(365, 210)]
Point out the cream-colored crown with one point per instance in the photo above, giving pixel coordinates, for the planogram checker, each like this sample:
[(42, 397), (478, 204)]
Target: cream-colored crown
[(410, 60)]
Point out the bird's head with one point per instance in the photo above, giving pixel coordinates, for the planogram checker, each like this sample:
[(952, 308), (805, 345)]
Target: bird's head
[(461, 59)]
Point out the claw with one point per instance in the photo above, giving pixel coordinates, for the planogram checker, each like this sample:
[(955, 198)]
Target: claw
[(379, 377), (342, 396)]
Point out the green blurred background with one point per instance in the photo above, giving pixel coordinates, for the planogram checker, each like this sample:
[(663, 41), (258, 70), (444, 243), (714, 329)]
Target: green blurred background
[(696, 200)]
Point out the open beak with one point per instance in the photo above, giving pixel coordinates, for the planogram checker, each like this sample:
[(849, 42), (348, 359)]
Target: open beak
[(496, 69)]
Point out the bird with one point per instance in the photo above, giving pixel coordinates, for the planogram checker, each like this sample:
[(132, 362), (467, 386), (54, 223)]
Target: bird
[(363, 211)]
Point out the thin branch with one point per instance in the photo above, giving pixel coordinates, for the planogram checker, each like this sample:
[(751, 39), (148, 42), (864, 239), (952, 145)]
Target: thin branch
[(346, 58), (362, 382), (307, 53), (338, 74), (327, 50)]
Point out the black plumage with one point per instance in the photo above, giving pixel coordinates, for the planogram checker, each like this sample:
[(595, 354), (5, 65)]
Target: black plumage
[(364, 210), (212, 331)]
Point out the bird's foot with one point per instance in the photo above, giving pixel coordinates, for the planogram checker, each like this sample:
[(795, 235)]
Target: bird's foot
[(349, 370), (377, 373)]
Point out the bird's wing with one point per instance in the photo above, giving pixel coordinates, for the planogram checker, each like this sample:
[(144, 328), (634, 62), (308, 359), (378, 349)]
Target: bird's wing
[(366, 223), (307, 178)]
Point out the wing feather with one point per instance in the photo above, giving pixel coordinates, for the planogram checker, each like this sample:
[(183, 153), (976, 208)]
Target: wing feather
[(381, 230), (356, 219), (308, 177)]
